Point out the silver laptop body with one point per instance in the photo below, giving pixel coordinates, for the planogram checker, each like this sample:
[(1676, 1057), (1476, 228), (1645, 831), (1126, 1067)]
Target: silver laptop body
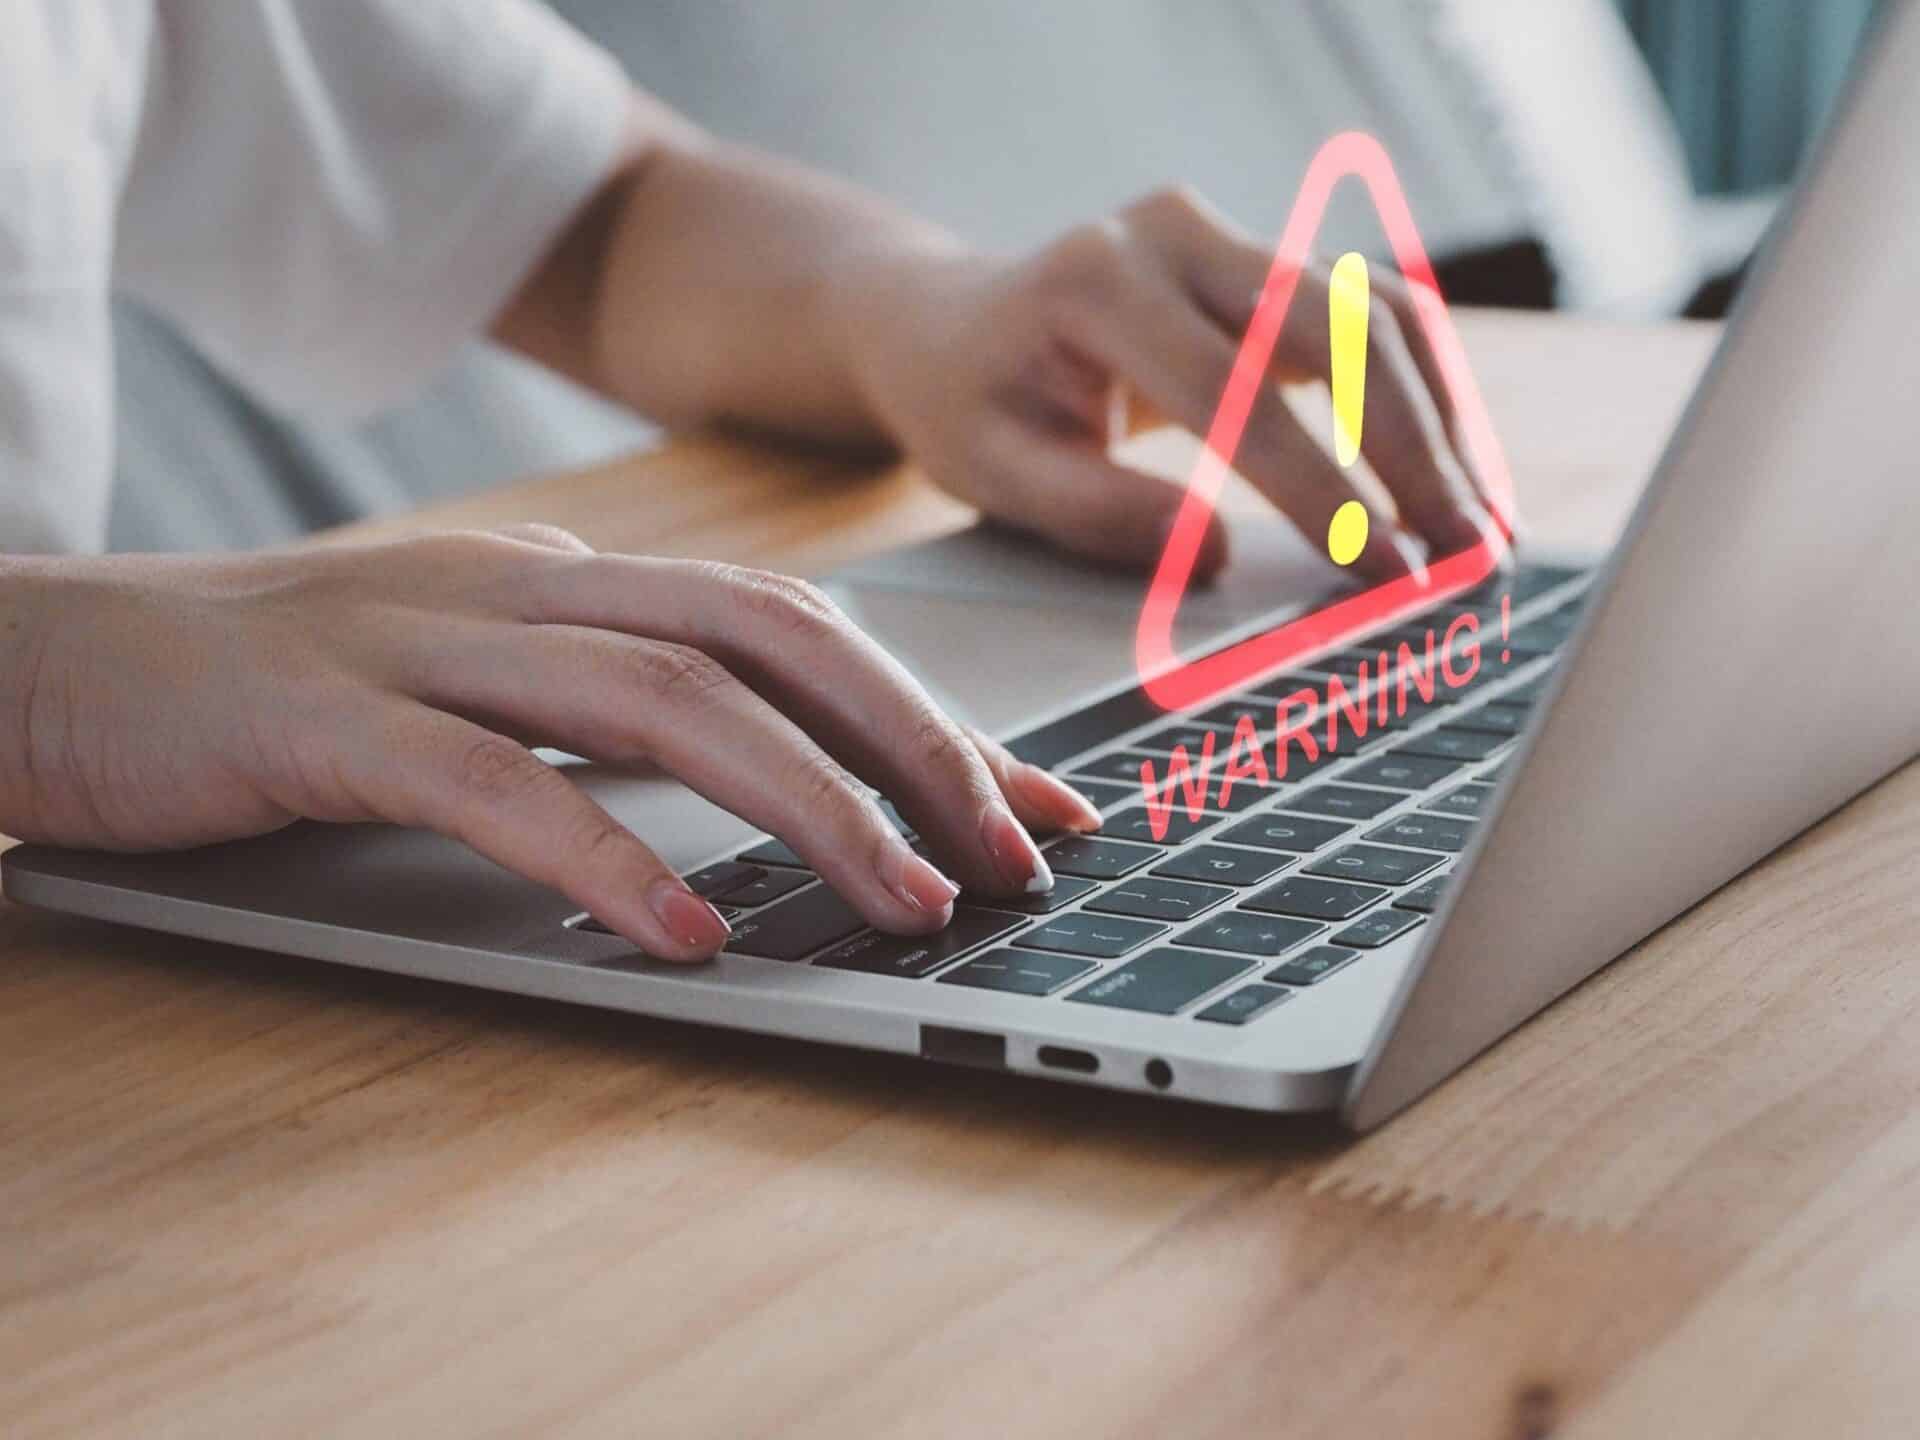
[(1745, 661)]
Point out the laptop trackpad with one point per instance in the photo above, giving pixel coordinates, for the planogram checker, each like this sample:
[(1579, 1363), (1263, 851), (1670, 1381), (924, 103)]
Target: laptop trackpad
[(1005, 630)]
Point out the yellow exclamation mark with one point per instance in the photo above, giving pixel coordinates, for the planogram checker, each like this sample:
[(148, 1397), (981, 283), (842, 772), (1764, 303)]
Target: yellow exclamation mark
[(1348, 299)]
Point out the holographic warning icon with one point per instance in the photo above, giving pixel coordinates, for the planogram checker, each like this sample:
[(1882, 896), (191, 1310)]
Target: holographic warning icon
[(1349, 299), (1178, 683)]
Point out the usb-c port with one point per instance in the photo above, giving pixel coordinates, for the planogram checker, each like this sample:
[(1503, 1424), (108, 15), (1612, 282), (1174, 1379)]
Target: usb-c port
[(1059, 1057)]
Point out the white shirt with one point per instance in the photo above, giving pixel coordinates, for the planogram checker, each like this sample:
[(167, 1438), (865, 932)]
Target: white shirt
[(327, 196)]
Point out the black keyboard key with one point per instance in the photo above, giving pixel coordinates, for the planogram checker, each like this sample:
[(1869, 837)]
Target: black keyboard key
[(1426, 832), (1424, 898), (1244, 795), (1102, 936), (1311, 967), (796, 927), (1138, 825), (1300, 768), (1468, 801), (771, 885), (1192, 735), (1264, 935), (1161, 981), (1528, 691), (1342, 802), (720, 877), (1346, 664), (1401, 771), (1489, 673), (1314, 899), (1226, 719), (1447, 743), (1218, 865), (1285, 832), (1414, 636), (1440, 619), (1282, 687), (1151, 899), (1370, 932), (1534, 580), (1065, 891), (1529, 642), (1527, 583), (1018, 972), (1542, 636), (1398, 720), (1493, 717), (1106, 797), (894, 817), (912, 956), (1375, 864), (1094, 859), (1121, 767), (772, 852), (1244, 1004), (1055, 743)]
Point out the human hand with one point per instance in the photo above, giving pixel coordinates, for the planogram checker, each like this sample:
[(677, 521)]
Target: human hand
[(158, 701), (999, 378)]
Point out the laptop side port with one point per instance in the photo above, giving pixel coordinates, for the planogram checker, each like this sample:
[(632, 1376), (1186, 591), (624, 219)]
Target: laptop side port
[(963, 1047), (1060, 1057)]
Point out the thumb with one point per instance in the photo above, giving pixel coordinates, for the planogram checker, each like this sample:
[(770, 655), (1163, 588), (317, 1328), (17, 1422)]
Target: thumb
[(1087, 504)]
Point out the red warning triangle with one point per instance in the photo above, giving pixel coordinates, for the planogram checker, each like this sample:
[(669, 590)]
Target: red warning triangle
[(1178, 684)]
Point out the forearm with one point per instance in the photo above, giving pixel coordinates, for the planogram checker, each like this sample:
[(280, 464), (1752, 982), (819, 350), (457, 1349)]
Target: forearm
[(706, 283), (711, 283), (20, 652)]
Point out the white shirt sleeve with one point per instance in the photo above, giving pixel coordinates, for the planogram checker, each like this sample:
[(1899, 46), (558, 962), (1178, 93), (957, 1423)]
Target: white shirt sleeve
[(330, 196), (62, 112)]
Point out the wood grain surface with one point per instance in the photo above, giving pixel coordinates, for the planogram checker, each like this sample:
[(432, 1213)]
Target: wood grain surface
[(245, 1194)]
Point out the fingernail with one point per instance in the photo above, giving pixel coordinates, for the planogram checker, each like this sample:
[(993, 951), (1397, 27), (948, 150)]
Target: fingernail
[(1494, 537), (1476, 477), (1513, 535), (1468, 526), (914, 881), (686, 917), (1409, 552), (1208, 560), (1488, 532), (1063, 805), (1014, 854)]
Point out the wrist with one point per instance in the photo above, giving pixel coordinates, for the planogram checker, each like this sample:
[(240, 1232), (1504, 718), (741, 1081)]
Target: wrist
[(888, 308), (27, 583), (30, 589)]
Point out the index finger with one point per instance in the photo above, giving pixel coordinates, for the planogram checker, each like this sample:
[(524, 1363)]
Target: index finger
[(494, 795), (1414, 306), (1412, 449), (793, 645)]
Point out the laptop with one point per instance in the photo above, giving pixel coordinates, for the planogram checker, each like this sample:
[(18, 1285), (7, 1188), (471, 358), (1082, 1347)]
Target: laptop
[(1745, 660)]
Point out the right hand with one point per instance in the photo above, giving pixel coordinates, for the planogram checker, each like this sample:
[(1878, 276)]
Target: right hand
[(998, 377), (157, 701)]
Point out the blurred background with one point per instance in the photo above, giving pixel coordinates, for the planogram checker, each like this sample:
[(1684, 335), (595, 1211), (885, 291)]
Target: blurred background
[(1606, 156)]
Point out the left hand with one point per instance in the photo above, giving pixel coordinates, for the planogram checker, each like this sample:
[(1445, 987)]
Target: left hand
[(1000, 379)]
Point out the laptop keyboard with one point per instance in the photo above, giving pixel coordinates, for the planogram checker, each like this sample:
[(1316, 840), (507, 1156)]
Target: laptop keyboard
[(1224, 917)]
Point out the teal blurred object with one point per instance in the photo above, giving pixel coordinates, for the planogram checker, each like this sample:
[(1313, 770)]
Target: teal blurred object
[(1749, 81)]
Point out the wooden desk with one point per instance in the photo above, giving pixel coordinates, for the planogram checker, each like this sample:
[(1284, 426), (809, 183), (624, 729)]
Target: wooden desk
[(244, 1194)]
